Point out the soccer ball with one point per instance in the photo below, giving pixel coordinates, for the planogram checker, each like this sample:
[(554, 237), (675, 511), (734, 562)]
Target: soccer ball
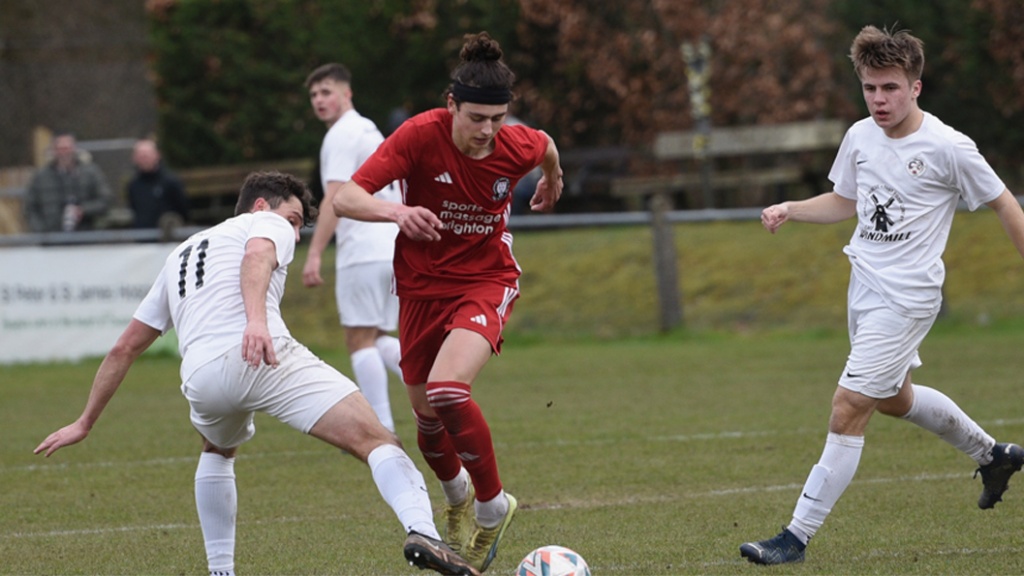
[(553, 561)]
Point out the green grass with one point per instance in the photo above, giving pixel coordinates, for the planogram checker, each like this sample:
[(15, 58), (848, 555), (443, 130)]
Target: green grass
[(656, 455), (734, 276), (648, 454)]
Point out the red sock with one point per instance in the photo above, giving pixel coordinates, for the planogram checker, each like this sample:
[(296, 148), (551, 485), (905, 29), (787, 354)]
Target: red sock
[(436, 448), (469, 434)]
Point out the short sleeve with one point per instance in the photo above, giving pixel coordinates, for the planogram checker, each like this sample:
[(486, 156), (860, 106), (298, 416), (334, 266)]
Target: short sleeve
[(844, 169), (392, 160), (974, 177), (278, 230), (154, 310)]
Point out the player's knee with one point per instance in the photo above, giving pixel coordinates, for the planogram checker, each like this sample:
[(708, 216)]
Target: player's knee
[(444, 396), (214, 449), (372, 437), (897, 406), (358, 338)]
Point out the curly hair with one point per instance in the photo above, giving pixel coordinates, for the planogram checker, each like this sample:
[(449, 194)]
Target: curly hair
[(481, 65), (275, 187)]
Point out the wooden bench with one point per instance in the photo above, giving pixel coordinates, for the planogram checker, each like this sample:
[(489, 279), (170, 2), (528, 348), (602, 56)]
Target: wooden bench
[(588, 173), (213, 190), (13, 181), (758, 158)]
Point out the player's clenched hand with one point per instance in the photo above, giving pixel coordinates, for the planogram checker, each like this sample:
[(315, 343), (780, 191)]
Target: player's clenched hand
[(418, 223), (774, 216), (257, 345), (66, 436), (311, 272)]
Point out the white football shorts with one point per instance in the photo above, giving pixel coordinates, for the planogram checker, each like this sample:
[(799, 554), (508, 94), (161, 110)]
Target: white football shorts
[(365, 296), (224, 394), (883, 344)]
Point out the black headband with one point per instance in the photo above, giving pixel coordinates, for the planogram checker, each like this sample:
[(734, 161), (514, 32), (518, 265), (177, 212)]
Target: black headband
[(495, 95)]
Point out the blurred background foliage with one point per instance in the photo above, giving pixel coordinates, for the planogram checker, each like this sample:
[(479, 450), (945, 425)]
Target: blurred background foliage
[(229, 73)]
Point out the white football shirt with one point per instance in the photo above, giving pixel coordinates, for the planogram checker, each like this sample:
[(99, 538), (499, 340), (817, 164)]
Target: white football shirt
[(198, 291), (907, 190), (347, 144)]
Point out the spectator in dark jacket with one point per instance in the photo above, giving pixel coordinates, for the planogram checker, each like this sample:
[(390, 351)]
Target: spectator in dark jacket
[(154, 190)]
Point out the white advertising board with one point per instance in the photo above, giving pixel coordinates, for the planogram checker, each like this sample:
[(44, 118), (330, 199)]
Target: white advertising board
[(68, 303)]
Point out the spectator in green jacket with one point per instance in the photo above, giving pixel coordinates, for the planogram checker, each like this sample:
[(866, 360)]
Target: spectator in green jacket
[(68, 193)]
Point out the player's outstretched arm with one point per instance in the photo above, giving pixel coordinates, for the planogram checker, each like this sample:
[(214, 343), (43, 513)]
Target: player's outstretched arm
[(1011, 217), (416, 222), (135, 339), (825, 208)]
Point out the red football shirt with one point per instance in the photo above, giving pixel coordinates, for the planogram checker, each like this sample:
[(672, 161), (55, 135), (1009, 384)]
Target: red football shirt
[(472, 197)]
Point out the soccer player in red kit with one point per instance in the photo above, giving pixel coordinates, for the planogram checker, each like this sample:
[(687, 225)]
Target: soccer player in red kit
[(455, 275)]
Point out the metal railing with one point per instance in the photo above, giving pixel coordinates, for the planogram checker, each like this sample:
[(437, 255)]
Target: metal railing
[(517, 222)]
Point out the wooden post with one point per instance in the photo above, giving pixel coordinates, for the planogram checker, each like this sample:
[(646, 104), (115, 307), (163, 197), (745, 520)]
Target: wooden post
[(42, 139), (666, 275), (697, 57)]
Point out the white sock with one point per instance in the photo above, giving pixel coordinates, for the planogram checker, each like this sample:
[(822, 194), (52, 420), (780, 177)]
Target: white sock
[(457, 489), (937, 413), (217, 504), (402, 487), (826, 483), (372, 378), (391, 352), (489, 514)]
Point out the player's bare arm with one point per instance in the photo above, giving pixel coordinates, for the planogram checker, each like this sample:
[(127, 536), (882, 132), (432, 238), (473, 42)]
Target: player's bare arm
[(825, 208), (416, 222), (1011, 217), (326, 222), (258, 264), (549, 187), (135, 339)]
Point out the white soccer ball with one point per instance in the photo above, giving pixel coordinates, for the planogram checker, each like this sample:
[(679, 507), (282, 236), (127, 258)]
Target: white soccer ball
[(553, 561)]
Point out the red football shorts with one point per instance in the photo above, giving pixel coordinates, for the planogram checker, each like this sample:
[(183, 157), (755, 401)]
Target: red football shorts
[(424, 324)]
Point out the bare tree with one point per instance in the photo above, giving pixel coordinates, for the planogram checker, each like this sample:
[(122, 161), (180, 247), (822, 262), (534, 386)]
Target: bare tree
[(1005, 42), (614, 71)]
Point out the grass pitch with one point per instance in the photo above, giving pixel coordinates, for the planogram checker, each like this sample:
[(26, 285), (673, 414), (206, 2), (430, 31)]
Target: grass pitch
[(655, 455), (649, 455)]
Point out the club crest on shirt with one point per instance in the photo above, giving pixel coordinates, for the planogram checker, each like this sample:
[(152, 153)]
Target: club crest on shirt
[(882, 213), (502, 187), (916, 166)]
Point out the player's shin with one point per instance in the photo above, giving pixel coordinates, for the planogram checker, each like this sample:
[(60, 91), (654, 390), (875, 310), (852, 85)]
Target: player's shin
[(469, 434), (826, 483), (402, 487), (217, 505), (937, 413)]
